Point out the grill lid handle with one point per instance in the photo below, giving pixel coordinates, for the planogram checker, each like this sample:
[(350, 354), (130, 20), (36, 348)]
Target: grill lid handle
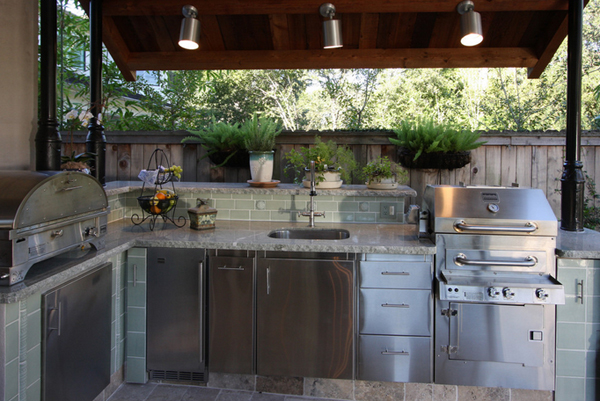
[(461, 260), (529, 227)]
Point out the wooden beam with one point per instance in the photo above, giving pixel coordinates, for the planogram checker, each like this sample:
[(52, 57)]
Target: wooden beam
[(232, 7), (118, 49), (338, 58), (369, 24), (547, 52)]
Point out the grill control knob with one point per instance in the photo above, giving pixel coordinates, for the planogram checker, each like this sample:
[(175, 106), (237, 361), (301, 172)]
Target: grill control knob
[(493, 292), (508, 293), (541, 294)]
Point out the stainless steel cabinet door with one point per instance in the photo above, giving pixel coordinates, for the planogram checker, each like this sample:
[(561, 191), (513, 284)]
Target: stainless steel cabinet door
[(76, 348), (175, 310), (304, 318), (230, 339), (417, 275)]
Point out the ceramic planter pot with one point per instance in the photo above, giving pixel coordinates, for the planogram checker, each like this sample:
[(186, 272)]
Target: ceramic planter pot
[(436, 160), (331, 179), (261, 166), (382, 183)]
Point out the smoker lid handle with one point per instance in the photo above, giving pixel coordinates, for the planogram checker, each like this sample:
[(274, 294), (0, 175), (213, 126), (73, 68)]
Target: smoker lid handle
[(529, 227)]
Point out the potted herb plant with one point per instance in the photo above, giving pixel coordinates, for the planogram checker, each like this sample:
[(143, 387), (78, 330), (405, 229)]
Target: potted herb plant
[(382, 173), (333, 163), (224, 143), (424, 144), (259, 139)]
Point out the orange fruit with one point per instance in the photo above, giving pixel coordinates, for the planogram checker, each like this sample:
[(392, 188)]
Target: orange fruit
[(160, 195), (154, 210)]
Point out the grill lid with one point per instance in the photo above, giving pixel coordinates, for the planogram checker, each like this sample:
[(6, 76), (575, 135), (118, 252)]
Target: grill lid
[(30, 199), (488, 210)]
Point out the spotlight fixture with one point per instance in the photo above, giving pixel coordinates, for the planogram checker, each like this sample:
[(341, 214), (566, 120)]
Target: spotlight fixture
[(332, 28), (189, 36), (470, 24)]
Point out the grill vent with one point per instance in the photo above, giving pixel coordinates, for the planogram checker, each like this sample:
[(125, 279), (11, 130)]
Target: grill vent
[(176, 375)]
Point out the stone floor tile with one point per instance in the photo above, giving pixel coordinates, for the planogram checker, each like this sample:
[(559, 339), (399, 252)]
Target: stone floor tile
[(231, 381), (267, 397), (471, 393), (378, 391), (195, 393), (133, 392), (165, 392), (280, 385), (444, 392), (234, 395), (329, 388)]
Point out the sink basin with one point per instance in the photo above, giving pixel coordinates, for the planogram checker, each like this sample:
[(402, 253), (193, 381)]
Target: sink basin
[(310, 233)]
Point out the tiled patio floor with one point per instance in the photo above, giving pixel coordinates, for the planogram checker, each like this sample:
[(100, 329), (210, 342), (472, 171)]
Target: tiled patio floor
[(167, 392)]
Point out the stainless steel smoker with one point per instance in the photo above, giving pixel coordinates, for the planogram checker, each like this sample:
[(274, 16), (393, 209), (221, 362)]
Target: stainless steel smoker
[(45, 214), (496, 292)]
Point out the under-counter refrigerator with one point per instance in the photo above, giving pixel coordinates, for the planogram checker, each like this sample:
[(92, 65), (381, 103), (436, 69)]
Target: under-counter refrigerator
[(176, 314)]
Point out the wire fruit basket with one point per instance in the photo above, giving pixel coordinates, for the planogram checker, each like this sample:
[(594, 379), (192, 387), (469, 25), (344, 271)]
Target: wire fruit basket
[(162, 201)]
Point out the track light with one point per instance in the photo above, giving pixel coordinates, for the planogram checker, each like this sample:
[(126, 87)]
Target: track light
[(332, 28), (189, 36), (470, 24)]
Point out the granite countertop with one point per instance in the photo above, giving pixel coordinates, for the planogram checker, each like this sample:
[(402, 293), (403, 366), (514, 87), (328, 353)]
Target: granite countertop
[(230, 234), (578, 245), (403, 191)]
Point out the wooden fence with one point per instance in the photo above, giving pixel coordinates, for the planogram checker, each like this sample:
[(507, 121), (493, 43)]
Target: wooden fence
[(530, 159)]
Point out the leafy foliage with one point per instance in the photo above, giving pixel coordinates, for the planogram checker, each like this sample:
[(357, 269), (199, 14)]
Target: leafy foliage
[(219, 137), (260, 133), (382, 168), (425, 136), (591, 210), (326, 155)]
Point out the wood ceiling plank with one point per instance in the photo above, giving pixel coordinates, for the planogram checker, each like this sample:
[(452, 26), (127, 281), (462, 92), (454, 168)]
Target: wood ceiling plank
[(351, 30), (297, 32), (116, 46), (164, 34), (445, 31), (247, 32), (369, 25), (210, 33), (233, 7), (338, 58), (423, 29), (279, 31), (547, 48)]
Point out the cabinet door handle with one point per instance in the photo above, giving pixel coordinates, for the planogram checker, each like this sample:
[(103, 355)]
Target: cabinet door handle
[(579, 291), (230, 268), (268, 280), (59, 311), (386, 352), (386, 305), (134, 275), (386, 273), (200, 308)]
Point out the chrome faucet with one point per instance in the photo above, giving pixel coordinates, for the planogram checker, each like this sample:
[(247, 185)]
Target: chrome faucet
[(313, 192)]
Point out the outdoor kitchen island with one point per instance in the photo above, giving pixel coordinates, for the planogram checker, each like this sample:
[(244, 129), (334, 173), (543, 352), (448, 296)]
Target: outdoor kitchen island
[(125, 247)]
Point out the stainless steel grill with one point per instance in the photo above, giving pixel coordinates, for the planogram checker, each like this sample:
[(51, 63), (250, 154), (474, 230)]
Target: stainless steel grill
[(45, 214), (496, 287)]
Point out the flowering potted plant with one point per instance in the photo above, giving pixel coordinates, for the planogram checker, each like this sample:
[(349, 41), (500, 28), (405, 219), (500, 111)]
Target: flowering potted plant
[(71, 160)]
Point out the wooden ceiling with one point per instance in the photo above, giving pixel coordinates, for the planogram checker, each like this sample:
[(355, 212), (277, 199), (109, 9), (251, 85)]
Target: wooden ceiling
[(284, 34)]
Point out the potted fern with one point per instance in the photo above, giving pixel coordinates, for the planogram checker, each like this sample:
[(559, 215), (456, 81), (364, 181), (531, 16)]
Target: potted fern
[(259, 139), (224, 143), (424, 144), (333, 163)]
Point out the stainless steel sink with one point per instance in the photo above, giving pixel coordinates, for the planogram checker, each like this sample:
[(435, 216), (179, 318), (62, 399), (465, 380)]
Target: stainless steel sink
[(310, 233)]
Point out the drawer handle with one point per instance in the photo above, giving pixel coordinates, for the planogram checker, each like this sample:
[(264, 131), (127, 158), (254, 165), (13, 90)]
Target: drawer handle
[(386, 352), (395, 273), (230, 268), (386, 305)]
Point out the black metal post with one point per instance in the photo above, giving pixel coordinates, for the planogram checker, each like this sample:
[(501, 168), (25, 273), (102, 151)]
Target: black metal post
[(47, 138), (96, 141), (573, 180)]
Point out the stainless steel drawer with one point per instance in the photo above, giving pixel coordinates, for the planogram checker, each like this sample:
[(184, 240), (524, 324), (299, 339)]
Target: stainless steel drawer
[(396, 275), (395, 312), (395, 358)]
